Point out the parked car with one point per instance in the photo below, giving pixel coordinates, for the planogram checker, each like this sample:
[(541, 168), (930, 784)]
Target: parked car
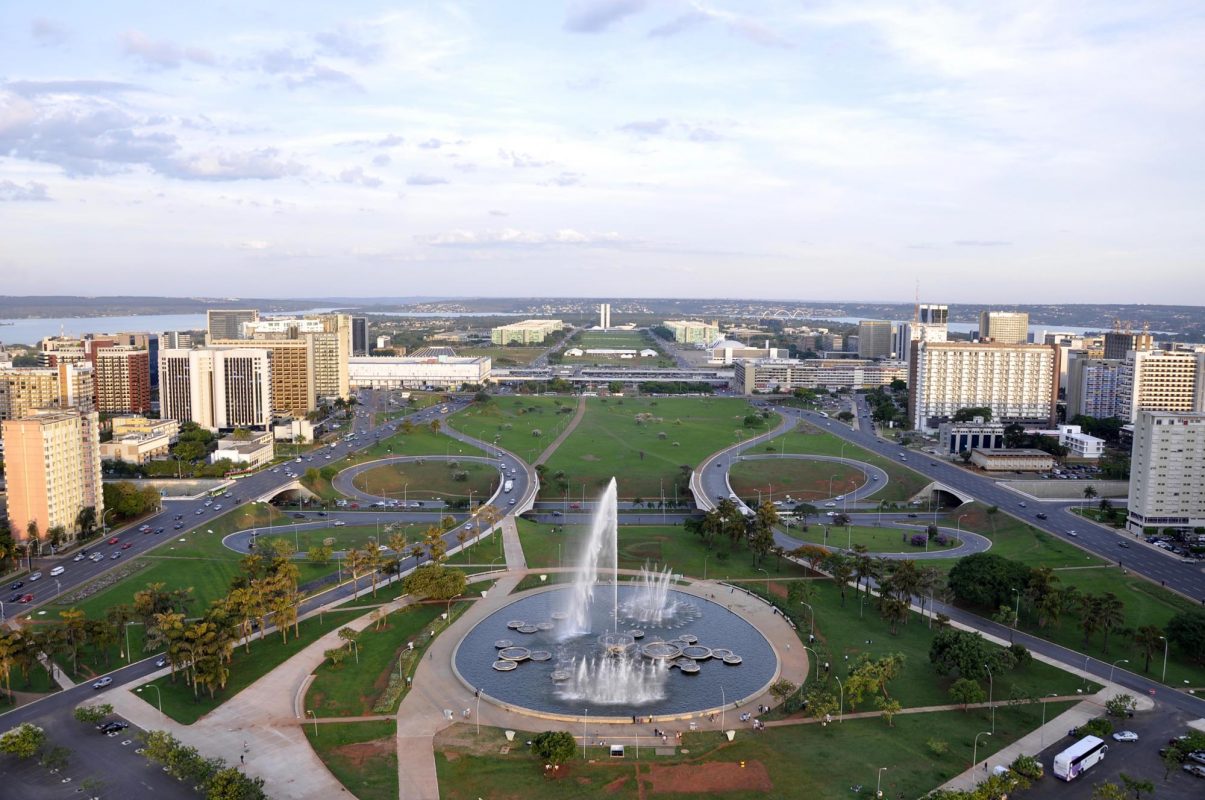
[(1125, 736), (103, 682), (113, 727), (1194, 769)]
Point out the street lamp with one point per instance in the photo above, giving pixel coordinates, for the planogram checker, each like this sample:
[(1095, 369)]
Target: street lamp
[(975, 750), (991, 686), (723, 707), (314, 717), (1017, 613), (830, 485), (1042, 727), (157, 693), (878, 786), (1114, 666), (817, 662), (1162, 679), (957, 527), (840, 700), (812, 626)]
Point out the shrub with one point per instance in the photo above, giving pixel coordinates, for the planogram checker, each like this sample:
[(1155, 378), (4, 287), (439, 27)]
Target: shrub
[(554, 747), (1119, 705), (919, 539), (1027, 767), (1100, 727), (1021, 654), (937, 747)]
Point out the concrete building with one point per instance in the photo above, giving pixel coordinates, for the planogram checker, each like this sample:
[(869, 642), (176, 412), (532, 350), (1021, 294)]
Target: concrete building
[(26, 389), (55, 350), (123, 380), (728, 351), (227, 323), (291, 430), (693, 331), (402, 372), (1119, 343), (1004, 327), (218, 388), (137, 440), (529, 331), (931, 324), (245, 453), (1093, 386), (52, 468), (955, 437), (383, 342), (176, 340), (1080, 445), (292, 372), (1167, 482), (1161, 380), (330, 340), (874, 339), (1021, 459), (1018, 382), (125, 426), (359, 336), (788, 374), (604, 315)]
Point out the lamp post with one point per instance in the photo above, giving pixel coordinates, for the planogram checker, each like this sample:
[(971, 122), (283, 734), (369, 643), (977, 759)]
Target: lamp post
[(830, 485), (958, 526), (975, 750), (812, 626), (840, 700), (723, 706), (991, 687), (817, 662), (355, 646), (585, 716), (1162, 679), (878, 785), (1114, 666), (704, 562), (314, 717), (1017, 613), (1042, 728), (158, 693)]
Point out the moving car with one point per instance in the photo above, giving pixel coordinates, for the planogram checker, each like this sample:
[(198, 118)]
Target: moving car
[(57, 571), (1125, 736), (35, 576), (338, 523), (114, 540), (103, 682), (1072, 533)]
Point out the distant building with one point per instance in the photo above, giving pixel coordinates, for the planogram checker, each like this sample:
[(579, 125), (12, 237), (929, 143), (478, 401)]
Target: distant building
[(1093, 386), (1167, 484), (137, 440), (27, 389), (604, 316), (1013, 460), (329, 337), (52, 468), (693, 331), (931, 325), (218, 388), (728, 351), (955, 437), (788, 374), (359, 336), (1004, 327), (176, 340), (529, 331), (1119, 343), (227, 323), (382, 342), (874, 339), (246, 453), (401, 372), (1079, 444), (1161, 380), (288, 429), (291, 373)]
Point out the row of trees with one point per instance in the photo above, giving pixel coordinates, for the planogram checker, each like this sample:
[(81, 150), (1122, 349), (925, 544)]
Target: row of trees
[(217, 779), (728, 522)]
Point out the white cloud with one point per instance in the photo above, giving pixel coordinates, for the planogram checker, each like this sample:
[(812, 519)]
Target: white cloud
[(513, 237), (31, 191)]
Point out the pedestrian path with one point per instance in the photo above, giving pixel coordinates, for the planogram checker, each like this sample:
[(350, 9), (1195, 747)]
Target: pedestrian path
[(563, 435)]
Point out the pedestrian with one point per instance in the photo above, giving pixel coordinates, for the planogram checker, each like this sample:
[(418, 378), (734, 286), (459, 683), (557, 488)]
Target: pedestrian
[(242, 759)]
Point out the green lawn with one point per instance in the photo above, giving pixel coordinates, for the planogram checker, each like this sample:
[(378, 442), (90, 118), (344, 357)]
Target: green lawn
[(615, 340), (513, 420), (1014, 538), (879, 540), (432, 480), (649, 444), (503, 356), (265, 655), (362, 755), (792, 479), (1096, 515), (352, 688)]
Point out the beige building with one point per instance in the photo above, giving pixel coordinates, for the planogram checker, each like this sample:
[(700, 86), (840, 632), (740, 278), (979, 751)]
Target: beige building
[(1161, 380), (693, 331), (529, 331), (1018, 382), (1167, 471), (1004, 327), (26, 389), (330, 338), (220, 387), (138, 446), (246, 453), (414, 372), (1093, 386), (52, 467), (227, 323), (874, 339), (1015, 460), (788, 374), (292, 371)]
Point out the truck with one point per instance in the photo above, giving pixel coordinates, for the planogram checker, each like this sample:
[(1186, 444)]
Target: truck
[(506, 487), (1079, 757)]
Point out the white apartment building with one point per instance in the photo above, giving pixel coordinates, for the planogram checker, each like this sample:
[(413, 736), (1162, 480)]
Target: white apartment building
[(788, 374), (217, 388), (246, 453), (1167, 471), (1016, 381), (1093, 386), (1161, 380), (1079, 444), (412, 372)]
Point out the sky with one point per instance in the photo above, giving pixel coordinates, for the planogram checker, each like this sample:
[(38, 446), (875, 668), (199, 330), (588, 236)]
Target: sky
[(989, 152)]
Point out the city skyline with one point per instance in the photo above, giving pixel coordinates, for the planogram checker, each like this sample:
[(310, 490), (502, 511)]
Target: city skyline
[(576, 148)]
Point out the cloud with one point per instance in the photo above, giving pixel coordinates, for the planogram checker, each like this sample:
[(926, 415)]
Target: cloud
[(651, 127), (356, 175), (512, 237), (737, 24), (595, 16), (254, 244), (344, 43), (381, 160), (425, 180), (392, 140), (566, 179), (703, 135), (34, 88), (981, 243), (11, 192), (318, 75), (222, 165), (521, 160), (48, 33), (680, 24), (161, 54), (431, 144), (496, 213)]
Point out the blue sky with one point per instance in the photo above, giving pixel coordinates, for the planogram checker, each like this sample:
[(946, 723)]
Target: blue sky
[(807, 150)]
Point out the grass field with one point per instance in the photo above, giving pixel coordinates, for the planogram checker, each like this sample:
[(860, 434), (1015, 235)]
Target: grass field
[(879, 540), (432, 480), (361, 755), (512, 421), (792, 479), (649, 444), (503, 356), (617, 340)]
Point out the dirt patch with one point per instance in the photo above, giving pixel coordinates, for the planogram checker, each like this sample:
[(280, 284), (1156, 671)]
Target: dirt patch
[(778, 590), (360, 753), (709, 777), (615, 785), (589, 457)]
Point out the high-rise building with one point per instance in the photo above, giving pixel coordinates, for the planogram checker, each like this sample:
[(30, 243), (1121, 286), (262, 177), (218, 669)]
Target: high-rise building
[(1093, 386), (530, 331), (1004, 327), (359, 336), (1118, 343), (55, 350), (292, 372), (692, 331), (27, 389), (52, 467), (227, 323), (604, 315), (1161, 380), (176, 340), (217, 387), (330, 340), (1018, 382), (930, 324), (932, 314), (1167, 478), (874, 339), (123, 380)]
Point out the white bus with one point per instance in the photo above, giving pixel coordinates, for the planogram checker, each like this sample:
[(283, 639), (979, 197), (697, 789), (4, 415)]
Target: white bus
[(1078, 757), (506, 487)]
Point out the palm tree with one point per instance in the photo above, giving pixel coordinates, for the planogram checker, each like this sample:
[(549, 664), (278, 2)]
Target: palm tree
[(1148, 639), (355, 563), (1112, 615), (1043, 595), (863, 567), (1089, 616), (10, 642), (397, 543), (372, 562), (894, 611), (1089, 493), (73, 624)]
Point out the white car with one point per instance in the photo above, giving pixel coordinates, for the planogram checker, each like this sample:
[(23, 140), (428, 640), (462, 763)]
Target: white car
[(57, 571), (839, 497), (1125, 736), (102, 683), (338, 523), (830, 505), (1072, 533)]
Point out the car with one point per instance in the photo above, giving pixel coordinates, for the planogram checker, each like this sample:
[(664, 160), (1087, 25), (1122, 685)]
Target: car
[(95, 557), (338, 523), (1125, 736), (932, 463), (103, 682), (719, 463), (26, 598), (1194, 769), (1040, 515), (199, 512), (511, 502), (1022, 505), (161, 661), (1072, 533), (17, 584), (178, 526), (127, 545), (299, 516), (1124, 544), (469, 527), (114, 540), (1198, 756), (911, 516), (57, 571), (217, 507), (80, 556), (35, 576), (15, 598), (839, 497), (830, 505), (116, 554), (110, 728)]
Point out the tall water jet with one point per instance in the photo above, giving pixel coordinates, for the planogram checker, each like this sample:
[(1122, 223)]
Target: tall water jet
[(601, 553), (608, 680), (651, 603)]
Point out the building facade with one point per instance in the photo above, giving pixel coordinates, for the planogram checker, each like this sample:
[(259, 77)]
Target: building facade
[(529, 331), (604, 315), (1080, 445), (1161, 380), (874, 339), (246, 453), (693, 331), (1119, 343), (218, 388), (1093, 386), (1017, 382), (1167, 471), (123, 380), (1004, 327), (227, 323), (23, 390), (788, 374), (359, 336), (52, 468), (955, 437), (292, 371), (176, 340), (401, 372), (1015, 460)]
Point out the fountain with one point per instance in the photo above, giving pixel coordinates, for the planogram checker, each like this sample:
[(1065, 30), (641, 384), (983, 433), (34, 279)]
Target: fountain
[(602, 549), (652, 604)]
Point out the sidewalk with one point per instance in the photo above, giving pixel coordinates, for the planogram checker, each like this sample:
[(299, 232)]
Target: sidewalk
[(563, 435)]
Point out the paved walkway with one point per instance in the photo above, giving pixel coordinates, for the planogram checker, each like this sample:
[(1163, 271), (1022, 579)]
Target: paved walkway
[(563, 435)]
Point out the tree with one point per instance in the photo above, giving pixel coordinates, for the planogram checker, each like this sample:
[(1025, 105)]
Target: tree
[(987, 580), (966, 691), (554, 747), (1137, 786), (228, 783), (957, 652), (968, 414), (435, 582), (435, 426), (1186, 630), (23, 741), (93, 714), (85, 521), (55, 759), (1089, 492), (1110, 615), (781, 689), (1120, 704), (1148, 640), (888, 708), (1108, 790)]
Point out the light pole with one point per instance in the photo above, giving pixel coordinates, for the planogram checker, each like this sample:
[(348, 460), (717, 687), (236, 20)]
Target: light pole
[(355, 646), (1162, 679), (1114, 666), (817, 662), (991, 688), (878, 786), (830, 485), (704, 562), (723, 706), (157, 694), (840, 700), (585, 716), (1042, 728), (314, 717), (975, 750), (1017, 613), (812, 614), (478, 714), (957, 527)]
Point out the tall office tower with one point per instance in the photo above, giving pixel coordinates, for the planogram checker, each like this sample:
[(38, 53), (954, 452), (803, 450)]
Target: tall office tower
[(930, 323), (227, 323), (330, 339), (123, 380), (52, 465), (217, 388), (874, 339), (1159, 380), (359, 336), (1118, 343), (292, 371), (1167, 484), (1018, 382), (24, 390), (604, 315), (1093, 386), (1004, 327), (175, 340)]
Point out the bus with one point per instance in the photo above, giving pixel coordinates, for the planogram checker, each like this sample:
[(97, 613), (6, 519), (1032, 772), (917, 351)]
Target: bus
[(506, 487), (1079, 757)]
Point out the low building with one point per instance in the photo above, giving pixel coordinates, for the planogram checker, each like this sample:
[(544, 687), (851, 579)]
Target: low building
[(575, 352), (125, 426), (1022, 459), (246, 453), (955, 437), (1079, 444), (693, 331), (409, 372), (648, 352), (728, 351), (788, 374), (529, 331), (136, 448), (292, 430)]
